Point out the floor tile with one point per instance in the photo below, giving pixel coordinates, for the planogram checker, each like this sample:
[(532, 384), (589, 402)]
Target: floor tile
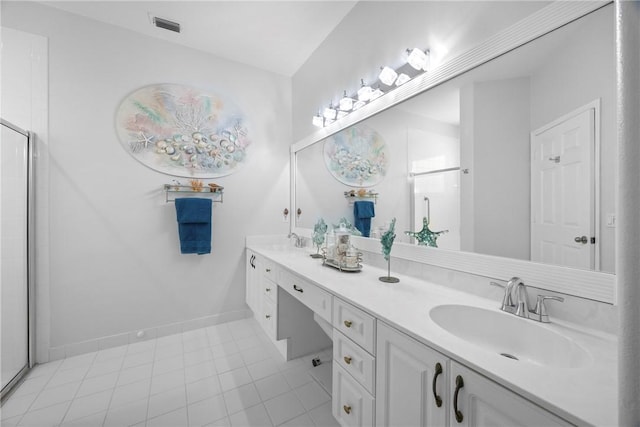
[(222, 422), (228, 363), (96, 384), (105, 367), (94, 420), (203, 389), (255, 416), (16, 406), (30, 386), (141, 347), (123, 395), (45, 369), (177, 418), (67, 376), (49, 416), (241, 398), (80, 361), (207, 411), (297, 377), (322, 416), (202, 370), (272, 386), (166, 401), (88, 405), (55, 395), (168, 351), (198, 356), (263, 369), (284, 407), (135, 374), (127, 414), (301, 421), (234, 379), (137, 359), (111, 353), (311, 395), (170, 380), (167, 365), (196, 344), (225, 349), (254, 354)]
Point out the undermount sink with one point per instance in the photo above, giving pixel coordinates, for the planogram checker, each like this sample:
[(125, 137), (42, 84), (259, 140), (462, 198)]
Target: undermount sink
[(510, 336)]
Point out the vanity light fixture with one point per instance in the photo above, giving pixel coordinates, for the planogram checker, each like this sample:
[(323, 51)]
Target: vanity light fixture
[(377, 93), (364, 93), (346, 103), (402, 79), (330, 113), (418, 59), (318, 120), (388, 75)]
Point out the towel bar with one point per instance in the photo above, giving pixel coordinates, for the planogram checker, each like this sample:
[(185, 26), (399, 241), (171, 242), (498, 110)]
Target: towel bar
[(217, 192)]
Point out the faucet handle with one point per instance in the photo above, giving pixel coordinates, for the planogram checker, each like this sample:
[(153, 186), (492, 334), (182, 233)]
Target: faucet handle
[(540, 311), (507, 302)]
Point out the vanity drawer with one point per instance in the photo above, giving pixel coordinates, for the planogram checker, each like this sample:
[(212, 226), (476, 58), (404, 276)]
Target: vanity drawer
[(357, 325), (318, 300), (270, 290), (268, 270), (353, 359), (269, 318), (351, 404)]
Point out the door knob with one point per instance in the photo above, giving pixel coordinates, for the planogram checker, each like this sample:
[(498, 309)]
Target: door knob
[(582, 239)]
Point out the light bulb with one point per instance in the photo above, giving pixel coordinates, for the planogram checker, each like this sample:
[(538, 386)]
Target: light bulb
[(346, 103), (417, 59), (358, 104), (387, 75), (402, 79), (329, 113), (318, 120), (364, 93), (377, 93)]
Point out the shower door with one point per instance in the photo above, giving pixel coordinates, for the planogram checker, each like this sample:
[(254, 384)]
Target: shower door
[(14, 253)]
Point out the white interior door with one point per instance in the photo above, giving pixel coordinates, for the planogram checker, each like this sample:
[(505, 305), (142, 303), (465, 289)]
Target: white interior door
[(563, 191), (13, 255)]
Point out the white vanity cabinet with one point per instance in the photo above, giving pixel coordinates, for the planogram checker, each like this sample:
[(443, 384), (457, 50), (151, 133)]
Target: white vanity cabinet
[(411, 381), (478, 401), (252, 288), (354, 361)]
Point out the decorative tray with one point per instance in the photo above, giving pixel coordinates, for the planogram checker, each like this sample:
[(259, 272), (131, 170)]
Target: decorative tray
[(341, 267)]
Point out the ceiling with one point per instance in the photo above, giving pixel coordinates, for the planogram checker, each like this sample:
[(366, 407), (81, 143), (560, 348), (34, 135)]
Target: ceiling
[(277, 36)]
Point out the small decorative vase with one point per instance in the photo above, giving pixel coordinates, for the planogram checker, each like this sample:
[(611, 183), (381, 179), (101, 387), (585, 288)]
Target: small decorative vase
[(319, 231), (387, 242)]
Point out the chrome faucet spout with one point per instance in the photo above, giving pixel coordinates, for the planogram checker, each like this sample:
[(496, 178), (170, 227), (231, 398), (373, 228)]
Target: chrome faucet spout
[(299, 239)]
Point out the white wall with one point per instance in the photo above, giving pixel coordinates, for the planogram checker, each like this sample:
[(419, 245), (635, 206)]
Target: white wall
[(115, 260), (495, 148)]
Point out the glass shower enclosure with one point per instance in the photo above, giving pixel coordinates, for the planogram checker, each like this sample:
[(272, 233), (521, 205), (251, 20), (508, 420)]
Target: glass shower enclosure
[(15, 250)]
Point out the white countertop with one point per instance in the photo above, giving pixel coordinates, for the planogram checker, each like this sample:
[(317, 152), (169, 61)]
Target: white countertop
[(586, 394)]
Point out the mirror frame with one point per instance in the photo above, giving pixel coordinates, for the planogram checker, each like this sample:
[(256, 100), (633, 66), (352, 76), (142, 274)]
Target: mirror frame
[(588, 284)]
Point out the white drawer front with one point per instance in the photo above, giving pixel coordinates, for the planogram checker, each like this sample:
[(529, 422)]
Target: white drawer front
[(319, 301), (270, 290), (357, 362), (351, 404), (268, 270), (355, 324), (269, 320)]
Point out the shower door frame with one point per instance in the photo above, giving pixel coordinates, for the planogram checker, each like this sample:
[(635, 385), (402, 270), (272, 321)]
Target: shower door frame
[(6, 391)]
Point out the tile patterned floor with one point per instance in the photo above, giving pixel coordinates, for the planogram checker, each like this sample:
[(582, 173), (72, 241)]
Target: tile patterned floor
[(223, 375)]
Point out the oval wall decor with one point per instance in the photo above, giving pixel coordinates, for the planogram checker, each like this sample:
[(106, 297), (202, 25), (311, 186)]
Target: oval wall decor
[(180, 131), (357, 156)]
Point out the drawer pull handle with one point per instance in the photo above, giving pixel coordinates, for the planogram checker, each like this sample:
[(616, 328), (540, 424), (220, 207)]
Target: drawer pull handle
[(268, 289), (268, 316), (296, 288), (268, 270), (348, 323), (347, 409), (347, 360), (433, 385), (459, 385)]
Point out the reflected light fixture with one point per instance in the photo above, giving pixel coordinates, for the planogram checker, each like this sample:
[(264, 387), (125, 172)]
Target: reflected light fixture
[(387, 75), (341, 114), (358, 104), (346, 103), (377, 93)]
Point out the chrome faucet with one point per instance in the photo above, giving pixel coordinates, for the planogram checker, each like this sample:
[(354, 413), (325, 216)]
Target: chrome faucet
[(516, 301), (299, 240)]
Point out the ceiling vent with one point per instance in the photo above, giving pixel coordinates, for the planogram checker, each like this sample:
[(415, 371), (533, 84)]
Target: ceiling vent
[(166, 24)]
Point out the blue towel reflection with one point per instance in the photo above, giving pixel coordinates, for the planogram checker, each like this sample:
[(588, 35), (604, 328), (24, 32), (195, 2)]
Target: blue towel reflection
[(363, 211)]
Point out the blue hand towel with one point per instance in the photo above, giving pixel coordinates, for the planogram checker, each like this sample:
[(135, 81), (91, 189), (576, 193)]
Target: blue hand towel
[(363, 211), (194, 225)]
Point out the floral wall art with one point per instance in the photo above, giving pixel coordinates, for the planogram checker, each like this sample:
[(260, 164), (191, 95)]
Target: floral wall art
[(181, 131), (357, 156)]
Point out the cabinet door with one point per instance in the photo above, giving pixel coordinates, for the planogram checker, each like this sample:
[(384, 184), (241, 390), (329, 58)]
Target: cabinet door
[(405, 379), (252, 282), (481, 402)]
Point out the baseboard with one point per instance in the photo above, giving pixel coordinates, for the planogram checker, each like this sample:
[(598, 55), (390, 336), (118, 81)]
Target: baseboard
[(74, 349)]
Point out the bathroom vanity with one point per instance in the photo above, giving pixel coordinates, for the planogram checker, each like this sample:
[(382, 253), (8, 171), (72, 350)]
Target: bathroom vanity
[(400, 356)]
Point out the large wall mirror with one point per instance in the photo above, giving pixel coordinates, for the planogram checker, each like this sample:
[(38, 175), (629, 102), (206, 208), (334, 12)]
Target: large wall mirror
[(514, 158)]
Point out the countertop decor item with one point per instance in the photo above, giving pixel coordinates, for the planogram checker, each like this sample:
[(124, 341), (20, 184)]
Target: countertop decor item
[(319, 232), (339, 252), (357, 156), (426, 237), (387, 242), (183, 131)]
